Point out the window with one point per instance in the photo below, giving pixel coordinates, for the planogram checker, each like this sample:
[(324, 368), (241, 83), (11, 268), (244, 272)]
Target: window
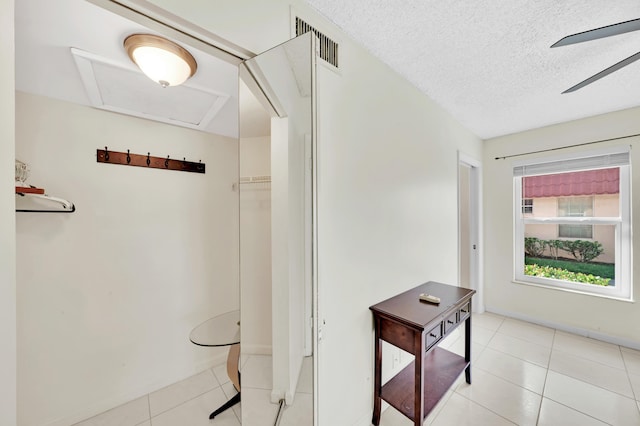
[(579, 236), (575, 207)]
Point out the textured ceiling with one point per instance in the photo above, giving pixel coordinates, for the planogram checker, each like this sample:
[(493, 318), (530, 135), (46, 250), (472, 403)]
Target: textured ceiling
[(489, 63)]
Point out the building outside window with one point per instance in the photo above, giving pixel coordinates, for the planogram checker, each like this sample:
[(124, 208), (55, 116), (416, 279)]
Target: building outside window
[(579, 207), (572, 223)]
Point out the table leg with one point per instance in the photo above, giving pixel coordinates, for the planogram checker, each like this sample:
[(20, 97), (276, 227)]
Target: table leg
[(377, 386), (232, 365), (467, 347), (233, 359)]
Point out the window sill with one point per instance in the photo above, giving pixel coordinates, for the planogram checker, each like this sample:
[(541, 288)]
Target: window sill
[(570, 290)]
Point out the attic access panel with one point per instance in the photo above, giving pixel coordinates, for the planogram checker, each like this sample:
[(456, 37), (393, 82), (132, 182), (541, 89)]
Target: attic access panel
[(114, 87)]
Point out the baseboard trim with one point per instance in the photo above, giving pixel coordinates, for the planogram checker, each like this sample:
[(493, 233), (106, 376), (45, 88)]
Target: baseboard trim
[(616, 340)]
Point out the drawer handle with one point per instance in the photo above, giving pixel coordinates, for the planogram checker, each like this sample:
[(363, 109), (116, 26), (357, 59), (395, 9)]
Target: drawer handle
[(432, 335), (450, 322)]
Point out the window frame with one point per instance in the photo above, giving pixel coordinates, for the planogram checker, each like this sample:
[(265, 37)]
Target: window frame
[(623, 288)]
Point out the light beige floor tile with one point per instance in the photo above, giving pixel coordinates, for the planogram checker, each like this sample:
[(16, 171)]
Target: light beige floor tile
[(229, 392), (597, 374), (147, 423), (510, 401), (630, 350), (305, 381), (522, 349), (487, 320), (458, 347), (257, 409), (257, 372), (393, 417), (631, 361), (554, 414), (300, 413), (431, 417), (460, 411), (481, 335), (451, 339), (522, 373), (595, 350), (220, 372), (181, 392), (196, 412), (129, 414), (635, 384), (594, 401), (526, 331)]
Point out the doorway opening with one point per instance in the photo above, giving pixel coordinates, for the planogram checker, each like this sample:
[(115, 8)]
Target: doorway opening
[(469, 227)]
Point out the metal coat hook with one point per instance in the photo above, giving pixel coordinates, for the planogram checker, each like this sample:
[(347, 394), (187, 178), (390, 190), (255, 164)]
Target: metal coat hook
[(140, 160)]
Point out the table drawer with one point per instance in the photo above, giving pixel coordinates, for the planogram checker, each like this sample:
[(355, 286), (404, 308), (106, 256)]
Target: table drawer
[(433, 336), (450, 322), (465, 311)]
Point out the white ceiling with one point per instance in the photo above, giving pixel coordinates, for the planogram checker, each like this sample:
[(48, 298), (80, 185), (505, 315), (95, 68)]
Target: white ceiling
[(489, 63), (47, 30)]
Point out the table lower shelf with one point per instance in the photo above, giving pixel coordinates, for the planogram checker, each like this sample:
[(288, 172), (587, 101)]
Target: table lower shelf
[(440, 369)]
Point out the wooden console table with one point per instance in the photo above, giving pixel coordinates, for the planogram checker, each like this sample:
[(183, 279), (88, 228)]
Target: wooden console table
[(416, 327)]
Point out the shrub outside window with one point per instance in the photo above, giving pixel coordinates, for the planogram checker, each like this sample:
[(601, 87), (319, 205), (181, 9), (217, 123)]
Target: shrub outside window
[(572, 223)]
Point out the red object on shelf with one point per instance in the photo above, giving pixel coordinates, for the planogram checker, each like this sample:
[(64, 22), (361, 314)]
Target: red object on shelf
[(28, 190)]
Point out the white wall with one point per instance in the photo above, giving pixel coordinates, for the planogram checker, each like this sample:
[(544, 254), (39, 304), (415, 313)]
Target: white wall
[(387, 214), (614, 320), (7, 220), (255, 247), (387, 188), (107, 295)]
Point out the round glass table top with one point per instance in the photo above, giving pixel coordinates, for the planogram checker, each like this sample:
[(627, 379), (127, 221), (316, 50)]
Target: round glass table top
[(221, 330)]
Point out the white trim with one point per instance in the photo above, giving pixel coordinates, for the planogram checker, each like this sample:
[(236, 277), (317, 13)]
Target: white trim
[(623, 290), (477, 260), (584, 332), (158, 19)]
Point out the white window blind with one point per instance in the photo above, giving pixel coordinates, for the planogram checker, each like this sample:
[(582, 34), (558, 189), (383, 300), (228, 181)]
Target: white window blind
[(584, 162)]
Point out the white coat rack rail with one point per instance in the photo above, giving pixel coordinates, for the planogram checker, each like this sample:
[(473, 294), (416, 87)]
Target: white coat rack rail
[(38, 193)]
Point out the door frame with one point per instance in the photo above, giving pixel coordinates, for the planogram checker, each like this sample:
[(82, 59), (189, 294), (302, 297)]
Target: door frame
[(476, 271)]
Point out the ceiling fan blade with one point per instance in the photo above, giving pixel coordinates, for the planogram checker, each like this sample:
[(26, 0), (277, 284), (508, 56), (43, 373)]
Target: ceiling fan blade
[(609, 30), (604, 73)]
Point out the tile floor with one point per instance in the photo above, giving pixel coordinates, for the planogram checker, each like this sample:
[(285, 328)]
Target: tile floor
[(190, 401), (523, 374)]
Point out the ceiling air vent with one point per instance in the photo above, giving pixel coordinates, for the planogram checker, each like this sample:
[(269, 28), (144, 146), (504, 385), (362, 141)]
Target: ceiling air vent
[(328, 47)]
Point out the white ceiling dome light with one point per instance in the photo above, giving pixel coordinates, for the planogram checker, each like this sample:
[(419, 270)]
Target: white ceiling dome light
[(163, 61)]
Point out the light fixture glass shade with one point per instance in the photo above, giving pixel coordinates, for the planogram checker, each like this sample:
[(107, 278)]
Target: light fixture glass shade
[(161, 60)]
